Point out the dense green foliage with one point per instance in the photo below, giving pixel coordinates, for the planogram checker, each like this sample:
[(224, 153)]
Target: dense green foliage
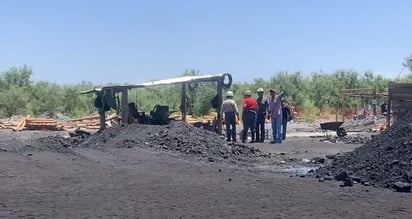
[(20, 95)]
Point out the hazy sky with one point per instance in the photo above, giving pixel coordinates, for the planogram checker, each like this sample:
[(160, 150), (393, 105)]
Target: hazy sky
[(103, 41)]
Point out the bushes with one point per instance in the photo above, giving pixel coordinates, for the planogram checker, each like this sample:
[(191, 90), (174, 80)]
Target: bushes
[(311, 95)]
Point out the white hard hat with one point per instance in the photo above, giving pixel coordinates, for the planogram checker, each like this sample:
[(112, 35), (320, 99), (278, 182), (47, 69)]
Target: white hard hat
[(260, 89), (247, 93), (229, 94)]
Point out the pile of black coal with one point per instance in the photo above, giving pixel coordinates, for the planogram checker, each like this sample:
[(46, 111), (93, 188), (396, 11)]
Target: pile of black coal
[(350, 139), (385, 160), (177, 137), (190, 140), (55, 143)]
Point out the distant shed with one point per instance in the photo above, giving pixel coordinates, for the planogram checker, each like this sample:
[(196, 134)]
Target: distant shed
[(399, 99)]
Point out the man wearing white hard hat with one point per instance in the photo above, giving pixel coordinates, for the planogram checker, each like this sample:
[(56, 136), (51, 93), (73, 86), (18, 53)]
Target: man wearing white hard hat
[(263, 106), (230, 110)]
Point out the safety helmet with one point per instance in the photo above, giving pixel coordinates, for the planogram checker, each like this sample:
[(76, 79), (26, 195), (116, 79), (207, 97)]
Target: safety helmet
[(260, 89), (229, 94), (247, 93)]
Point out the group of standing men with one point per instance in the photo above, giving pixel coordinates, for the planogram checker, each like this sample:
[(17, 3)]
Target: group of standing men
[(254, 114)]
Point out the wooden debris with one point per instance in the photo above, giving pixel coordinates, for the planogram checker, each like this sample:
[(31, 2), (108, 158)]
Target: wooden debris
[(20, 126)]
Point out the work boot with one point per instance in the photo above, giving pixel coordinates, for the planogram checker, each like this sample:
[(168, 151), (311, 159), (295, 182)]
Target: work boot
[(253, 140), (244, 134), (253, 137)]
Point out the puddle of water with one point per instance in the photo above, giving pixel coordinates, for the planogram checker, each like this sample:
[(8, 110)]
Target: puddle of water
[(297, 170), (288, 169)]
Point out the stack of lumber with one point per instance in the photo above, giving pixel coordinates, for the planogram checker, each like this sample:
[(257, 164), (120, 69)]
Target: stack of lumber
[(28, 123), (191, 119), (90, 122), (41, 124), (8, 125)]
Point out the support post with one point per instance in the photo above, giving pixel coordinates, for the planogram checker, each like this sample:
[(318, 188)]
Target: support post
[(183, 102), (388, 110), (102, 113), (102, 119), (219, 100), (125, 107), (375, 101)]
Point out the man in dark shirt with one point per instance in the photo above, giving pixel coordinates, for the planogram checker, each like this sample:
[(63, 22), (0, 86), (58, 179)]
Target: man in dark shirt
[(249, 116), (384, 108), (286, 117), (263, 105)]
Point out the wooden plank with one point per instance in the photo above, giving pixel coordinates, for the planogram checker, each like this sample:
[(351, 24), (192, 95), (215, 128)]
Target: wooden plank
[(400, 86), (403, 104), (21, 124), (401, 96), (357, 90), (400, 91), (84, 118), (40, 119), (42, 122)]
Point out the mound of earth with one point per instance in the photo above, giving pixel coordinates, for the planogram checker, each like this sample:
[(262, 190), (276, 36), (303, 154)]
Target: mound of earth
[(383, 161), (175, 137), (350, 139), (55, 143)]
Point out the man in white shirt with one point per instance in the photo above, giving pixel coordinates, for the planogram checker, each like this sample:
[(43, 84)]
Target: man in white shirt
[(230, 110)]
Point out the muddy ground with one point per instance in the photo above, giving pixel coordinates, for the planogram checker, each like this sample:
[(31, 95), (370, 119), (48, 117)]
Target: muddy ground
[(138, 182)]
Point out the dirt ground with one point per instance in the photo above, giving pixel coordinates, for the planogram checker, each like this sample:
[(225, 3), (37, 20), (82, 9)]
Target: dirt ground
[(143, 183)]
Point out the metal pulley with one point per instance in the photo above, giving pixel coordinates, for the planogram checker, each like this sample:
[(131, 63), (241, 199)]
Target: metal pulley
[(193, 86), (226, 81)]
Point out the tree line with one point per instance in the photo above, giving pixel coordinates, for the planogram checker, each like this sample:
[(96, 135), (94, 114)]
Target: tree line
[(311, 94)]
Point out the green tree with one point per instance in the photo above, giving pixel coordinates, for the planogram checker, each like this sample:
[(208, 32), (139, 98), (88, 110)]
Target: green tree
[(13, 101), (46, 98), (20, 77), (205, 93), (408, 63), (320, 90), (294, 85)]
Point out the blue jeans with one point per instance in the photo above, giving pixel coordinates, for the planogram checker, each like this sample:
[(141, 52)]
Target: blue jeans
[(260, 127), (230, 122), (249, 122), (277, 129)]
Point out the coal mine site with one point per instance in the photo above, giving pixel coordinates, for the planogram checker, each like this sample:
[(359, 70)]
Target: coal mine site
[(171, 171)]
